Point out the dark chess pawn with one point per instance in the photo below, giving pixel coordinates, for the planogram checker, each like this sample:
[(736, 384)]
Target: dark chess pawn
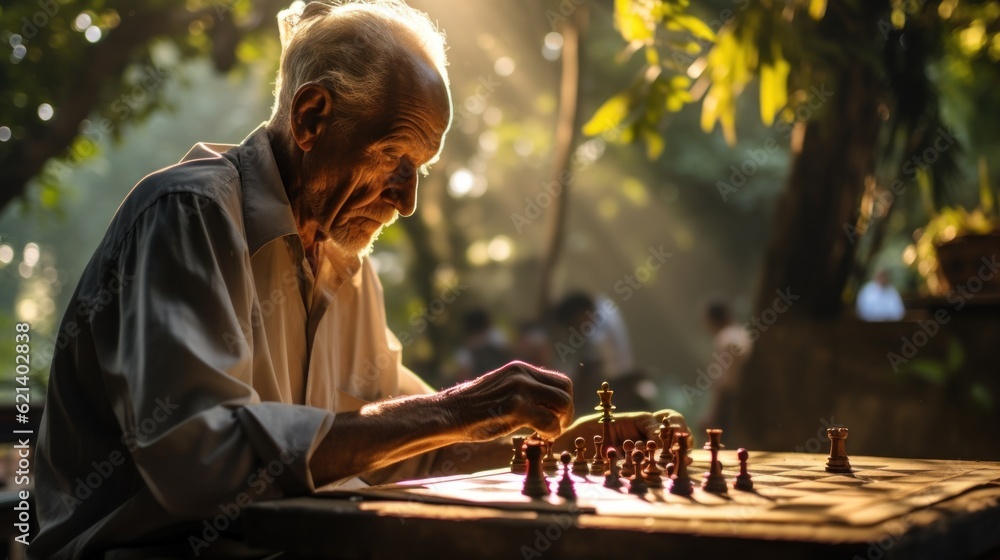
[(517, 462), (535, 484), (628, 467), (580, 465), (638, 485), (613, 478), (550, 464), (598, 466), (652, 473), (743, 480), (566, 489), (640, 446)]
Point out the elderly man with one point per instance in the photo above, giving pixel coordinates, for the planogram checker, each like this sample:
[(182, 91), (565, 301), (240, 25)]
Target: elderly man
[(227, 341)]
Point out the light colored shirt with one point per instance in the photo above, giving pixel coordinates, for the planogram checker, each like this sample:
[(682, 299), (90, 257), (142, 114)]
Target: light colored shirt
[(879, 303), (201, 361)]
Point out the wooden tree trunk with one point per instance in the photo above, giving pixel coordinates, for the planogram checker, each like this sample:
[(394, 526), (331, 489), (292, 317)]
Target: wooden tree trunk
[(810, 252), (567, 125)]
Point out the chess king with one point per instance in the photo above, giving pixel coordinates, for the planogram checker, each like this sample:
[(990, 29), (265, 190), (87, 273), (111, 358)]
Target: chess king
[(253, 311)]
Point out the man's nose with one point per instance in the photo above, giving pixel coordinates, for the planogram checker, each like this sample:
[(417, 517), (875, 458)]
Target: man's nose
[(402, 193)]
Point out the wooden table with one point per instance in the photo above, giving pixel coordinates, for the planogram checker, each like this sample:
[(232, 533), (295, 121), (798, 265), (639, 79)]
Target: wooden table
[(951, 509)]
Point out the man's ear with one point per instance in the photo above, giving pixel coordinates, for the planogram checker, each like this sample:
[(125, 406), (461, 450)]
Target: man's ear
[(312, 107)]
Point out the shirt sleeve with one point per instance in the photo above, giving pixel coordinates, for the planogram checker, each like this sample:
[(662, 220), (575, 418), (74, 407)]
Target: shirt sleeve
[(179, 350)]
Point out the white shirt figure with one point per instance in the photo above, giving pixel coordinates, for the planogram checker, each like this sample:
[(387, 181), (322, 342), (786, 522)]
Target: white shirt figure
[(878, 300)]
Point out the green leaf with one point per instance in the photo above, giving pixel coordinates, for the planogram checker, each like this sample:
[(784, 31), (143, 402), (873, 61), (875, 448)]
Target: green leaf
[(956, 356), (609, 116), (817, 8), (773, 86), (654, 143), (695, 26), (933, 371), (631, 23)]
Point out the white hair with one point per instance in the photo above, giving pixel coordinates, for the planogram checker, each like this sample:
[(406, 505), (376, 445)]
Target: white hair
[(350, 47)]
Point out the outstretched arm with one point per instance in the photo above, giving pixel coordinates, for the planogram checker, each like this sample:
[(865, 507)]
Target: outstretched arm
[(495, 404)]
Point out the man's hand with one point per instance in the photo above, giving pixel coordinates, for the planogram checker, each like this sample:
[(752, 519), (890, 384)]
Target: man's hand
[(495, 404), (630, 425), (515, 396)]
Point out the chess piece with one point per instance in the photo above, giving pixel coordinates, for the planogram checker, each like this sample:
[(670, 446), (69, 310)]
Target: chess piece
[(566, 489), (677, 430), (838, 462), (666, 435), (606, 418), (535, 484), (743, 480), (517, 462), (680, 481), (652, 473), (580, 464), (550, 464), (628, 468), (638, 485), (613, 478), (598, 466), (715, 481)]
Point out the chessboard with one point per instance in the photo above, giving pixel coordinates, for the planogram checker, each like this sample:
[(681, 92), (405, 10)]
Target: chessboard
[(788, 488)]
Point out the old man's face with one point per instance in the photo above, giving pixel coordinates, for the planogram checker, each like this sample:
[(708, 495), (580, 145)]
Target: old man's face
[(369, 182)]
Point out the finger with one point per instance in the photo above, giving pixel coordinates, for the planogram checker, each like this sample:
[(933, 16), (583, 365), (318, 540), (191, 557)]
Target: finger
[(545, 422), (553, 398), (548, 377)]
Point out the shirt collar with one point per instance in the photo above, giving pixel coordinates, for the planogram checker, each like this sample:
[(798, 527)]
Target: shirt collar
[(267, 214)]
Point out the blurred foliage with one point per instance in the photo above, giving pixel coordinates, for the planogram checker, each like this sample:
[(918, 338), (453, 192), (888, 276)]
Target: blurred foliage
[(938, 61), (80, 69), (949, 223)]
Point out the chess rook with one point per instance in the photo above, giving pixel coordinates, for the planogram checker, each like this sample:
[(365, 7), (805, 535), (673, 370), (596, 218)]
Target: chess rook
[(714, 481), (517, 462), (838, 462), (550, 464), (666, 435), (680, 481)]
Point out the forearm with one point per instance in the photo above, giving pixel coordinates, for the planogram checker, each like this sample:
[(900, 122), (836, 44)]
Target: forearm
[(480, 410)]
